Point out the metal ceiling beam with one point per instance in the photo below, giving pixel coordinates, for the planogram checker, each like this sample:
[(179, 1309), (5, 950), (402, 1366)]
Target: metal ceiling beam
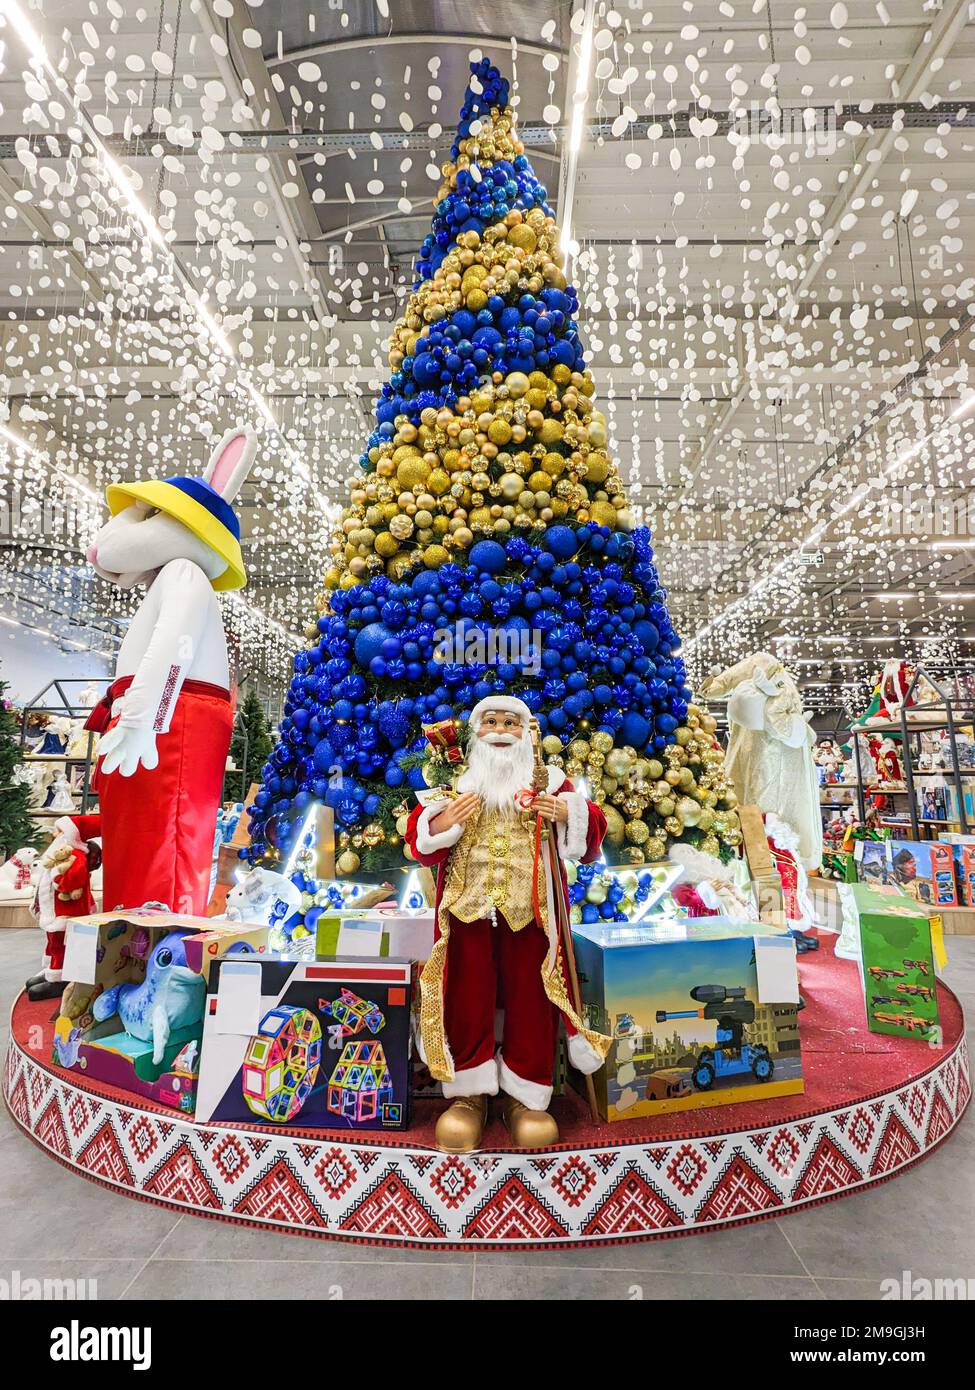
[(848, 120), (299, 221), (32, 217), (356, 43), (936, 44)]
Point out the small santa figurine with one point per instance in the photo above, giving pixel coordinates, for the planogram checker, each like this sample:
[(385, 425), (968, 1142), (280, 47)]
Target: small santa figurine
[(498, 943), (888, 762), (63, 891)]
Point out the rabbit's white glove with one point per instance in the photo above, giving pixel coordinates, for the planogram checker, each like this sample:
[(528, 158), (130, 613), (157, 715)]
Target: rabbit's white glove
[(123, 748)]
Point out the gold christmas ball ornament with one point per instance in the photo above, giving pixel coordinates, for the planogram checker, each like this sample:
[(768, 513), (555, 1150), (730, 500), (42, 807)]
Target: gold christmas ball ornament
[(618, 764), (637, 832), (615, 826), (655, 848), (347, 862), (601, 741), (688, 810)]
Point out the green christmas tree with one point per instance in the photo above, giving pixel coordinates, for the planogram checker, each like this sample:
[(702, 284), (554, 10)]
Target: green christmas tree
[(251, 743), (17, 828)]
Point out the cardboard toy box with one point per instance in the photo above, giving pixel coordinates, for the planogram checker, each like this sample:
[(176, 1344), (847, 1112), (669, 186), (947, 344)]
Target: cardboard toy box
[(114, 948), (922, 869), (963, 853), (314, 1044), (702, 1012), (224, 939), (375, 932), (896, 960)]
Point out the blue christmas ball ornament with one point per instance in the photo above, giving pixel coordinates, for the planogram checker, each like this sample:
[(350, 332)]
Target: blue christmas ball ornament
[(634, 729), (560, 541), (369, 642), (488, 556)]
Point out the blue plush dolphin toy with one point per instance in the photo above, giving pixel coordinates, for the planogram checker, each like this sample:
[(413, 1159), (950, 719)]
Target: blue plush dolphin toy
[(171, 996)]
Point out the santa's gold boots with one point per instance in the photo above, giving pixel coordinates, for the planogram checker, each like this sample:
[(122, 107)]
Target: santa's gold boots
[(529, 1129), (461, 1125)]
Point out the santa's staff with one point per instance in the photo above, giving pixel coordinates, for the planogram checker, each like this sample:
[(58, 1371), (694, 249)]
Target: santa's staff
[(540, 786)]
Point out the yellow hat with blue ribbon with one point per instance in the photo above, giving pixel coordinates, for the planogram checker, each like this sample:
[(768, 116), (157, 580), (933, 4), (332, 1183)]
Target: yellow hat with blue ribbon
[(200, 508)]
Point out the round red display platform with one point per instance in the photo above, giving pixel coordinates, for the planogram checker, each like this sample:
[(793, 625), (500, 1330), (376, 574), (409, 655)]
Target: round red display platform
[(872, 1106)]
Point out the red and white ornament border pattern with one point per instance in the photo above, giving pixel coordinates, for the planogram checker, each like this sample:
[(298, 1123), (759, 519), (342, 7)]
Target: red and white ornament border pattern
[(392, 1194)]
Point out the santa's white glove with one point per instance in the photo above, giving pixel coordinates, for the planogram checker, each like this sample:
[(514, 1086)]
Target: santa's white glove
[(123, 748)]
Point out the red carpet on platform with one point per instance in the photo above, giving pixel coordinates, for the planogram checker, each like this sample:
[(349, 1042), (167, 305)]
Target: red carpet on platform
[(872, 1105)]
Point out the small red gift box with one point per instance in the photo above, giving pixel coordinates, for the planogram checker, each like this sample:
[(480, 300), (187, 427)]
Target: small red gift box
[(444, 739)]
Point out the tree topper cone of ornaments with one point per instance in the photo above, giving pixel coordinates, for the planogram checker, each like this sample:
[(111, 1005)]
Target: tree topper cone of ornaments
[(501, 901), (166, 719)]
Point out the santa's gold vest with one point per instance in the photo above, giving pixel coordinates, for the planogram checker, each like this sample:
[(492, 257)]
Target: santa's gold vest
[(491, 866)]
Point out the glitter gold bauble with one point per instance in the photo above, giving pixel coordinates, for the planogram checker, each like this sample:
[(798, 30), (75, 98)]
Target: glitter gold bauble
[(347, 862), (637, 832), (602, 741), (655, 848)]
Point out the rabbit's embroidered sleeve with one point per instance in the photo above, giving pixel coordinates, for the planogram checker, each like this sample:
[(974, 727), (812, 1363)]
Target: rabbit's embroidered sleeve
[(182, 595)]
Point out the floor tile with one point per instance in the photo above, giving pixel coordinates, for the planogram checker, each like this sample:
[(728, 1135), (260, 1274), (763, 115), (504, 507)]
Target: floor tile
[(198, 1238), (528, 1284), (758, 1249), (71, 1277), (291, 1280)]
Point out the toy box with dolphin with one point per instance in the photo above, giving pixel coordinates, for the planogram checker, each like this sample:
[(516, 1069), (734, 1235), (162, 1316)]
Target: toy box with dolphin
[(702, 1012), (132, 1016)]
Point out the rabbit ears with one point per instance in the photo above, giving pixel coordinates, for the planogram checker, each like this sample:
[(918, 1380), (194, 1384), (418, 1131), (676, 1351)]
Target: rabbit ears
[(231, 462)]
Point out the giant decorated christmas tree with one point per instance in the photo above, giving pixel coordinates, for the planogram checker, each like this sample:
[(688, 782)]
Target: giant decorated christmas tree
[(488, 547)]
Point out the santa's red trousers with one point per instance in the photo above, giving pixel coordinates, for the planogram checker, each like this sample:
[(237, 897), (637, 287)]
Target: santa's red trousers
[(489, 967), (158, 825), (54, 956)]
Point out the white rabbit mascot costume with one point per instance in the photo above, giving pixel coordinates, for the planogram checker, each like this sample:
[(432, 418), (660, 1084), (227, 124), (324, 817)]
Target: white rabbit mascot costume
[(769, 755), (167, 717)]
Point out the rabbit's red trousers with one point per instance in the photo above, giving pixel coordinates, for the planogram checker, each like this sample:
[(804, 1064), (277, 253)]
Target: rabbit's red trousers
[(158, 825)]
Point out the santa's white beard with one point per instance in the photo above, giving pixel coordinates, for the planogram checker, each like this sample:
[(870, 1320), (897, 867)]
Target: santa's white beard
[(496, 772)]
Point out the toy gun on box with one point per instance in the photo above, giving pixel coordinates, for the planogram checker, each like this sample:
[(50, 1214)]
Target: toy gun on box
[(727, 1007)]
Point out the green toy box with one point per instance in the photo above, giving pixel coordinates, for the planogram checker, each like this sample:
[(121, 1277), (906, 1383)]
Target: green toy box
[(896, 960), (702, 1011)]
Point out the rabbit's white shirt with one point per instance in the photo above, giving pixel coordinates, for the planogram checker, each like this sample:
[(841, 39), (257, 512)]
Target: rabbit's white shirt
[(176, 633)]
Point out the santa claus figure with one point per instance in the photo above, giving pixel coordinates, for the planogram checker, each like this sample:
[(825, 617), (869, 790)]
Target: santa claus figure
[(498, 946), (63, 891)]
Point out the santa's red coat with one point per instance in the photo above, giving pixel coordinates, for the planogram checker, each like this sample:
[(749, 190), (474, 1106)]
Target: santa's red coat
[(594, 833)]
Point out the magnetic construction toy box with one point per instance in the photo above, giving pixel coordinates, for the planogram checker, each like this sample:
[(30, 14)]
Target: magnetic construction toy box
[(896, 961), (153, 966), (314, 1044), (701, 1012)]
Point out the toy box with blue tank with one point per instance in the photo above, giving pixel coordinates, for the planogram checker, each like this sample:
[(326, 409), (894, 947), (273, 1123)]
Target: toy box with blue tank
[(701, 1011), (321, 1044)]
